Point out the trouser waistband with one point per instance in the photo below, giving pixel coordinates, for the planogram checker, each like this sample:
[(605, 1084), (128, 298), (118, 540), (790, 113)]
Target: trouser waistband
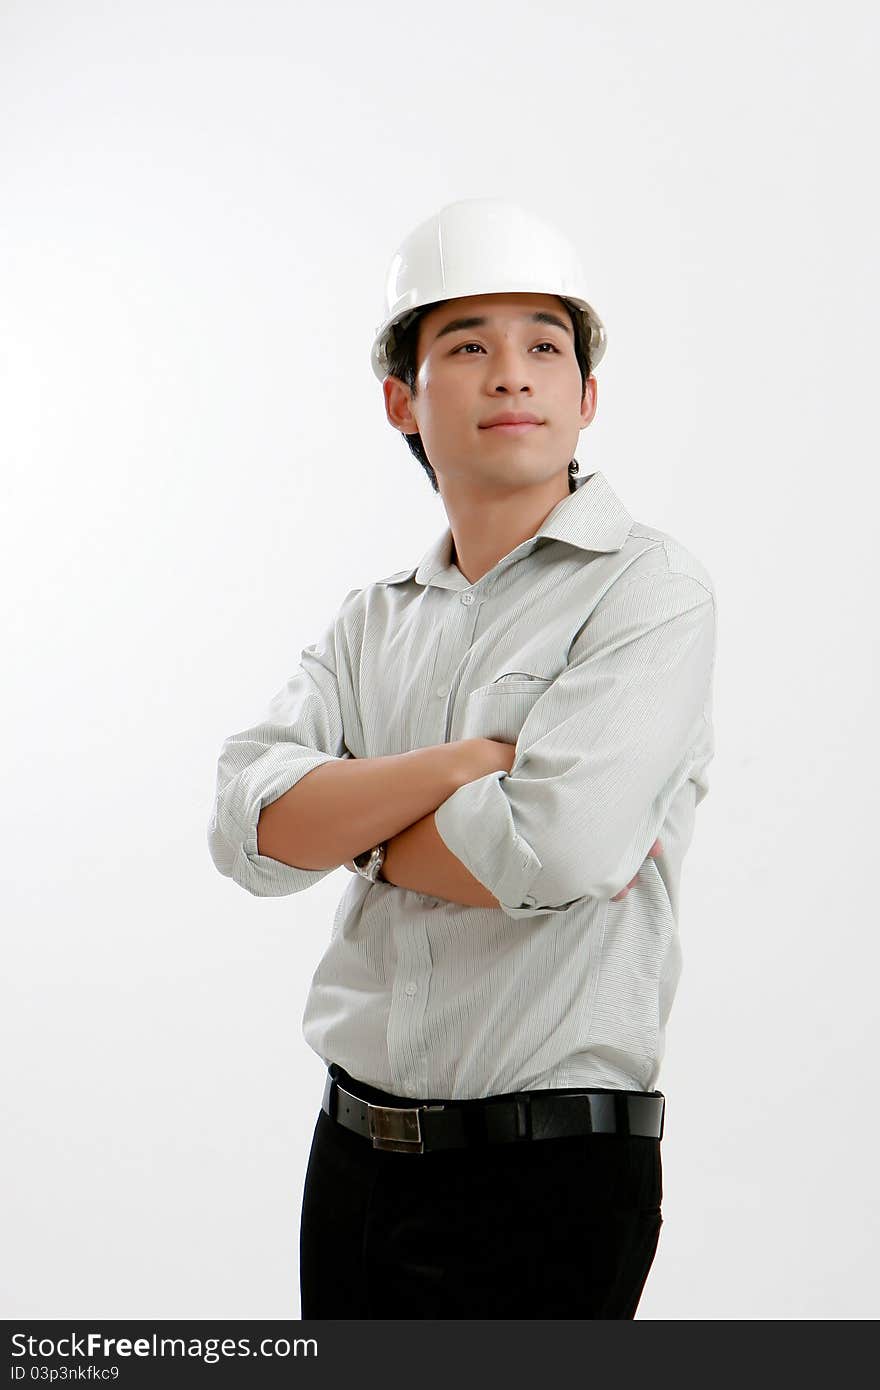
[(414, 1126)]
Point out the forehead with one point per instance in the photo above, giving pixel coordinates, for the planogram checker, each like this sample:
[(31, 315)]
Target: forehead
[(495, 308)]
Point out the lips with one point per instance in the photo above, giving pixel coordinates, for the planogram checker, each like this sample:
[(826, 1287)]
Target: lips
[(525, 427), (511, 417)]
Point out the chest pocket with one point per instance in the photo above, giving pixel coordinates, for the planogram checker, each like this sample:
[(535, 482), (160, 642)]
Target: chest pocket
[(499, 710)]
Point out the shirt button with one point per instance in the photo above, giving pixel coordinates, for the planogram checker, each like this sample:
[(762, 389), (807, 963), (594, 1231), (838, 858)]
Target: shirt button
[(443, 690), (411, 987), (467, 598)]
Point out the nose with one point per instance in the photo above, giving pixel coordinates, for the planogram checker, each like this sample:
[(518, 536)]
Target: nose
[(510, 370)]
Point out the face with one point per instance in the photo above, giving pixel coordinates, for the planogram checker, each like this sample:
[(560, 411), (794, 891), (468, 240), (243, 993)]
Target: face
[(469, 375)]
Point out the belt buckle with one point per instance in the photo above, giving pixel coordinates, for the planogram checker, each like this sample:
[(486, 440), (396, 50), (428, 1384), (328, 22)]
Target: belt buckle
[(395, 1129)]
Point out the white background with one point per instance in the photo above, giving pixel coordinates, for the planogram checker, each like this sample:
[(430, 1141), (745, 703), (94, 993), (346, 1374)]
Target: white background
[(199, 204)]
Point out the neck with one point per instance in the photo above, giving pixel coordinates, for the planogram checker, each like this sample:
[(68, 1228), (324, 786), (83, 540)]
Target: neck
[(487, 526)]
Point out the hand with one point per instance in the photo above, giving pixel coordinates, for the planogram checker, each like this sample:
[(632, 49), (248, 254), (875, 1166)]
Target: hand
[(478, 756), (652, 854)]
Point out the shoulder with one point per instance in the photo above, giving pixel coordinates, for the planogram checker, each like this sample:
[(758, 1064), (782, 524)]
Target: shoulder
[(370, 602), (657, 553)]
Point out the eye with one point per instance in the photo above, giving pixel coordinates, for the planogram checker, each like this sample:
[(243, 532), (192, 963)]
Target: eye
[(465, 345)]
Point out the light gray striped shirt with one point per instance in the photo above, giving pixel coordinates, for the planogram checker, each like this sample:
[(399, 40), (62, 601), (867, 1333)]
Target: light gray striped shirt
[(591, 646)]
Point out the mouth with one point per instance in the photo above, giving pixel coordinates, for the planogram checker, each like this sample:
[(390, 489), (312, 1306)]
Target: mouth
[(522, 428)]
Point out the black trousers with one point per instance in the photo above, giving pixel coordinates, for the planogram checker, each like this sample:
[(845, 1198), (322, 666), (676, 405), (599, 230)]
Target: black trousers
[(549, 1228)]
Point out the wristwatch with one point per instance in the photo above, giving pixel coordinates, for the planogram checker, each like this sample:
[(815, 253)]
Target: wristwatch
[(369, 864)]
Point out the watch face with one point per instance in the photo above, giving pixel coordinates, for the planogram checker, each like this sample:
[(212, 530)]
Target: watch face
[(370, 862)]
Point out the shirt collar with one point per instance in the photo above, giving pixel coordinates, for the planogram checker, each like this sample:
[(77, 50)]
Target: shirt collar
[(591, 518)]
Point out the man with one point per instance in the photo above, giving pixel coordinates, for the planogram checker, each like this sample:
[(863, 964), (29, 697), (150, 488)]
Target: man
[(507, 743)]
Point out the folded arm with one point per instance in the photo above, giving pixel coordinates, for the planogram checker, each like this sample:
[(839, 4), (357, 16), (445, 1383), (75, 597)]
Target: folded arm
[(291, 801), (417, 859), (600, 757)]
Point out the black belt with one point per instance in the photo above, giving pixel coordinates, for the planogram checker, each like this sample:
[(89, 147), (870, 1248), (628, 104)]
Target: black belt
[(521, 1115)]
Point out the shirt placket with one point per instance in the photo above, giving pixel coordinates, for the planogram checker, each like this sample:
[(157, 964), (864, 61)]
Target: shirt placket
[(407, 1048), (407, 1039)]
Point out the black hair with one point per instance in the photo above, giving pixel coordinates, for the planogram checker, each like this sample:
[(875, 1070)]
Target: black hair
[(402, 356)]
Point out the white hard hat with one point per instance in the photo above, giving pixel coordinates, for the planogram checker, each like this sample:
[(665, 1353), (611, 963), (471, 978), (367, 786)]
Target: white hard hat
[(481, 246)]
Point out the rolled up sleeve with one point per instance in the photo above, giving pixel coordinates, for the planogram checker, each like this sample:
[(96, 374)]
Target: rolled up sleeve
[(600, 756), (303, 728)]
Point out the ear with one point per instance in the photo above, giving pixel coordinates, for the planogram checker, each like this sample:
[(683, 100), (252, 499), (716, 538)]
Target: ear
[(397, 405), (589, 402)]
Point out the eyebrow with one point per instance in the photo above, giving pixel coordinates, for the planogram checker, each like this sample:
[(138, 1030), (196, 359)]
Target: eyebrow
[(542, 316)]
